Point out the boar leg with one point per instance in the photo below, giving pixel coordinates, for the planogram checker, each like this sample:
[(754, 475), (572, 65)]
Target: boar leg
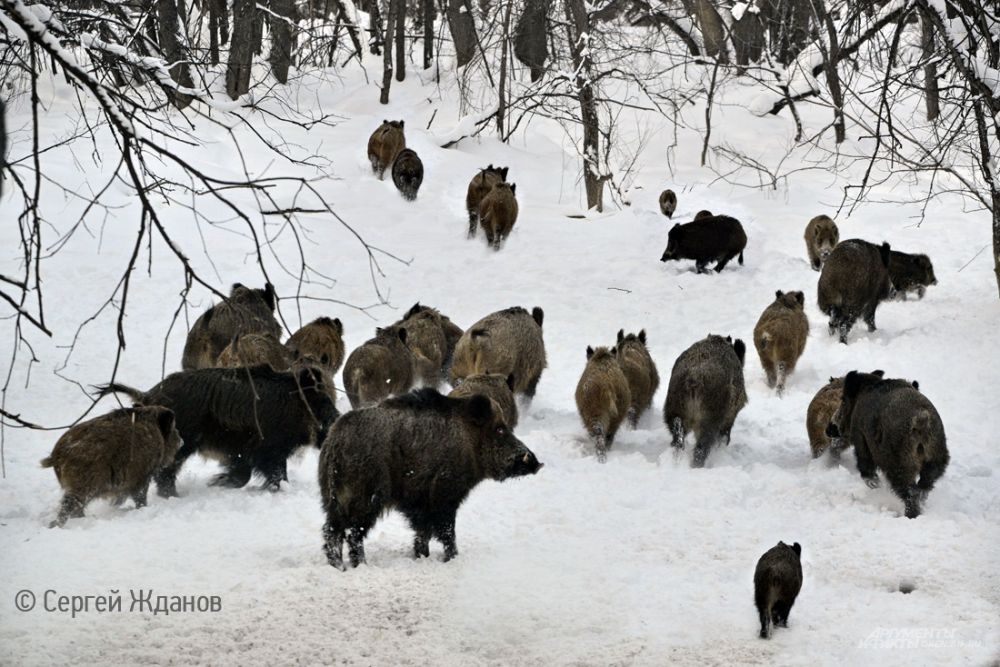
[(333, 544), (677, 432), (725, 260), (444, 530), (633, 418), (699, 266), (866, 465), (473, 223), (71, 507), (779, 614), (356, 545), (166, 477), (238, 473), (765, 622), (529, 391), (930, 472), (869, 317), (139, 494), (702, 447), (600, 442), (421, 543)]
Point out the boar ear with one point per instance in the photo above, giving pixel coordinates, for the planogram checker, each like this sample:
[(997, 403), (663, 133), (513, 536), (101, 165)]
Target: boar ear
[(798, 549), (884, 253), (402, 335), (852, 384), (642, 336), (741, 350), (621, 335), (339, 326), (778, 294), (801, 298), (402, 124), (503, 173), (479, 410), (236, 286), (676, 225), (165, 421), (916, 385), (510, 382), (412, 311), (590, 352), (513, 188), (879, 372), (269, 296), (538, 315)]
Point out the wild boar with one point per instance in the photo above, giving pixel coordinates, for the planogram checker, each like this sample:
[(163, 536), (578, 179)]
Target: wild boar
[(777, 582), (508, 342), (854, 280), (420, 453), (702, 214), (113, 456), (250, 419), (910, 274), (321, 341), (668, 203), (892, 427), (431, 338), (780, 337), (479, 187), (640, 371), (407, 173), (716, 239), (821, 409), (381, 367), (821, 237), (498, 213), (602, 398), (254, 349), (384, 144), (495, 387), (244, 311), (705, 393)]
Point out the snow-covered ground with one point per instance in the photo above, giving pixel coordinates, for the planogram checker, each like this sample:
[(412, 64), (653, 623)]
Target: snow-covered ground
[(640, 561)]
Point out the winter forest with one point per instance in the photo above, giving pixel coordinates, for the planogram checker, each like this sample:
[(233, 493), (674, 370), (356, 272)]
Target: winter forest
[(499, 332)]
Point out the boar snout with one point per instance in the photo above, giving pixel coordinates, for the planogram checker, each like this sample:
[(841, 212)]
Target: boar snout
[(522, 462)]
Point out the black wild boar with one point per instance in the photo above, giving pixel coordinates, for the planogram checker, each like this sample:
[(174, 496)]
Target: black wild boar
[(716, 239), (250, 419), (508, 342), (780, 337), (702, 214), (408, 173), (854, 280), (640, 371), (114, 456), (777, 582), (705, 393), (381, 367), (668, 203), (495, 387), (479, 187), (892, 427), (384, 144), (320, 342), (910, 274), (244, 311), (821, 237), (421, 453), (498, 213), (431, 338), (602, 398), (254, 349)]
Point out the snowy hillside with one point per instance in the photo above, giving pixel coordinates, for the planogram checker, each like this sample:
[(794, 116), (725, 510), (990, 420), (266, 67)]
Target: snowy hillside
[(641, 561)]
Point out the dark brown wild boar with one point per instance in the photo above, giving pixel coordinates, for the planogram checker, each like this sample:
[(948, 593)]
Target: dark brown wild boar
[(498, 213), (508, 342), (780, 337), (320, 342), (854, 280), (254, 349), (381, 367), (602, 398), (244, 311), (407, 173), (668, 203), (431, 339), (821, 237), (112, 456), (777, 582), (717, 239), (420, 453), (640, 371), (495, 387), (384, 144), (821, 409), (479, 187), (910, 274)]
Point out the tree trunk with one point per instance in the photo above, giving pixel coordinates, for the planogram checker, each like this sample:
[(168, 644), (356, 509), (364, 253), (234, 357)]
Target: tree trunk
[(530, 45), (375, 39), (429, 16), (579, 36), (831, 56), (713, 30), (749, 36), (240, 48), (352, 30), (282, 37), (391, 16), (932, 99), (463, 31), (168, 13), (505, 37), (400, 23)]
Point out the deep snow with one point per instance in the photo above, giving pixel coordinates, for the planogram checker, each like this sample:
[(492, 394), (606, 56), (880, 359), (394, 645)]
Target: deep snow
[(639, 561)]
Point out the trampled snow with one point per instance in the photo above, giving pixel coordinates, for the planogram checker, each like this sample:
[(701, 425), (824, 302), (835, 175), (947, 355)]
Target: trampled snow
[(640, 561)]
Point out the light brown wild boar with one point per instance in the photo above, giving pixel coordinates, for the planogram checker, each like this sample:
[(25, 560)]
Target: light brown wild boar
[(640, 371), (427, 335), (602, 398), (244, 311), (506, 342), (479, 187), (821, 237), (381, 367), (498, 213), (780, 337), (668, 203), (112, 456), (384, 144), (321, 341), (495, 387), (254, 349), (821, 409)]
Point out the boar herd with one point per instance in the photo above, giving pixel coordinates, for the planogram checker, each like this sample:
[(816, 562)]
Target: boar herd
[(250, 401)]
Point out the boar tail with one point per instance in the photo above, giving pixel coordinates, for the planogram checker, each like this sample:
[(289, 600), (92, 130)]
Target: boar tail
[(765, 338), (920, 427), (116, 388), (46, 462)]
